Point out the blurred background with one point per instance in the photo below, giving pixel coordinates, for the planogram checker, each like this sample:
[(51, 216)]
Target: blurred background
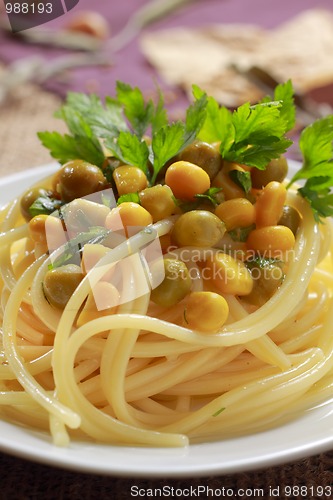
[(236, 50)]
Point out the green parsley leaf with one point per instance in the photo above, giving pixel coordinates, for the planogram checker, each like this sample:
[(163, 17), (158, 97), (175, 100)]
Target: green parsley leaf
[(44, 205), (160, 117), (195, 118), (105, 120), (320, 199), (316, 145), (138, 113), (241, 233), (74, 246), (251, 135), (172, 138), (218, 121), (258, 135), (62, 147), (134, 197), (242, 179), (81, 144), (262, 262), (257, 121), (284, 93), (210, 195), (166, 143), (130, 150), (187, 206)]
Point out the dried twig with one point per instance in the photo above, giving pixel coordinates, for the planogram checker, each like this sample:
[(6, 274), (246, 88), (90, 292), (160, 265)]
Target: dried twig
[(63, 39), (36, 70), (147, 14)]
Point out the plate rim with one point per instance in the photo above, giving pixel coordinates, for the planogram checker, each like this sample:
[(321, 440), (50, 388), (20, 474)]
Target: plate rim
[(163, 462)]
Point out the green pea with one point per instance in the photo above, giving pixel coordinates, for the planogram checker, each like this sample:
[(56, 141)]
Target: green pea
[(28, 199), (205, 155), (197, 228), (291, 218), (175, 285), (276, 170), (60, 283), (77, 179), (267, 275)]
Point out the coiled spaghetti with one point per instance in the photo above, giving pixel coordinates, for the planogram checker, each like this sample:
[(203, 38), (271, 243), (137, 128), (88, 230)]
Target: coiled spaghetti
[(139, 376)]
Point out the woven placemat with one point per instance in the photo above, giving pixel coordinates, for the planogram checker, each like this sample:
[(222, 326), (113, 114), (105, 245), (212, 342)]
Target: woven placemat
[(28, 112), (305, 479), (22, 115)]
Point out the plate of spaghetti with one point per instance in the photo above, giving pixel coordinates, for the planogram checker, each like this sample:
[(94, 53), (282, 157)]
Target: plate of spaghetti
[(166, 289)]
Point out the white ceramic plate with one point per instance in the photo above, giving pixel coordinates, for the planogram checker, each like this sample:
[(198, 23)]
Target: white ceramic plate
[(308, 435)]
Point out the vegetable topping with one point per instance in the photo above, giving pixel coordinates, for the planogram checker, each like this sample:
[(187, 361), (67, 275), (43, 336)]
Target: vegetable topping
[(219, 176)]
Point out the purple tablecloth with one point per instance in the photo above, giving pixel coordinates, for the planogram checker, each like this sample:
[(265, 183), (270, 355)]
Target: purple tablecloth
[(129, 65)]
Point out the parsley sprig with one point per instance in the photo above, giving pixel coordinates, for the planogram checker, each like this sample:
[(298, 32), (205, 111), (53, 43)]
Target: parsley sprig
[(252, 135), (316, 145), (80, 143), (117, 127), (44, 204)]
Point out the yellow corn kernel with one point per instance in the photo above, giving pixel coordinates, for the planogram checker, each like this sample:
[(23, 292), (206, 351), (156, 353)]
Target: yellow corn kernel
[(238, 212), (229, 275), (159, 201), (129, 179), (205, 311), (129, 216), (102, 301), (92, 253), (48, 231), (269, 205), (271, 241), (37, 228), (186, 179)]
